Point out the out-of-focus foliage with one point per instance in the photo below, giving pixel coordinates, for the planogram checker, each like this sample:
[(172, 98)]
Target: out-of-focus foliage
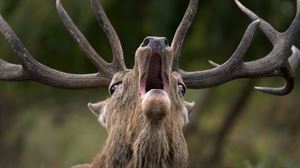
[(47, 127)]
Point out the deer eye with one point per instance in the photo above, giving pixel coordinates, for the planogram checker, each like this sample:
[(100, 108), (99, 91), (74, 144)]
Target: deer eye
[(114, 87), (182, 89)]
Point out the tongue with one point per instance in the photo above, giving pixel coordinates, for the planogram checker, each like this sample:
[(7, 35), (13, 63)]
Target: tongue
[(154, 79)]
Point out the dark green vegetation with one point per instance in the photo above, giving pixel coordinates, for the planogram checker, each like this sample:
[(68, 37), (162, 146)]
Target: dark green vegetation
[(46, 127)]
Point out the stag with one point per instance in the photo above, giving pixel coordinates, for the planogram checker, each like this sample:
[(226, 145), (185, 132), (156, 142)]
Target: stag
[(145, 112)]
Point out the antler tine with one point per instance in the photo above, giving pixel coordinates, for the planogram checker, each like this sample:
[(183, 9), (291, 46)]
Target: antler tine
[(288, 73), (182, 30), (268, 30), (276, 63), (82, 42), (214, 64), (237, 56), (286, 89), (220, 74), (33, 70), (10, 71), (294, 59), (294, 28), (118, 56)]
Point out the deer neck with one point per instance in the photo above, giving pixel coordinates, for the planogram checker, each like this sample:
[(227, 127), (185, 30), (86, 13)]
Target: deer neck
[(152, 146)]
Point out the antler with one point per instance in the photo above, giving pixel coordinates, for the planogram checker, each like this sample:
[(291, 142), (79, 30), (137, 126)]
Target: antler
[(30, 69), (182, 30), (118, 57), (276, 63)]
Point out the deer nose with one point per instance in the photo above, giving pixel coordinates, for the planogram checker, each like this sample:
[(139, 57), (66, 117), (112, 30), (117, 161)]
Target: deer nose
[(156, 43)]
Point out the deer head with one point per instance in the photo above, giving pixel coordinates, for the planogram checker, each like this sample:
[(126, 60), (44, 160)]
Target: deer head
[(146, 111)]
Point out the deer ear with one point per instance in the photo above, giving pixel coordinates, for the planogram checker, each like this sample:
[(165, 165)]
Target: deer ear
[(98, 109), (189, 106)]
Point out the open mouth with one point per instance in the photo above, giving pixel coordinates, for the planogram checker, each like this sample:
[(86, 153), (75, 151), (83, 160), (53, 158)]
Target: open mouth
[(155, 77)]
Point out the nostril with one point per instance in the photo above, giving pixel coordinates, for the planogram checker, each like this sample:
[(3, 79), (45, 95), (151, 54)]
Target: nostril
[(146, 42), (166, 41)]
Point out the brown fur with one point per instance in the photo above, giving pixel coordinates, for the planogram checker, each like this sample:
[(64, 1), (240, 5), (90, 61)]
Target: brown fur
[(133, 140)]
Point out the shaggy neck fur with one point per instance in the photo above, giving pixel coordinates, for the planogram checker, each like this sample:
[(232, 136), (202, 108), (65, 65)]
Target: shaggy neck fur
[(151, 147)]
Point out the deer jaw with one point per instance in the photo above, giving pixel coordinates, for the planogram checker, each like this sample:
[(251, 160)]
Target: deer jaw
[(146, 112)]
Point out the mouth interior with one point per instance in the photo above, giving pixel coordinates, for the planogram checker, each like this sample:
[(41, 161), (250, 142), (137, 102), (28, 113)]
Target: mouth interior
[(154, 77)]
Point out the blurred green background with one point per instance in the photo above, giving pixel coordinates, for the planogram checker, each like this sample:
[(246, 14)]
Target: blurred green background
[(234, 126)]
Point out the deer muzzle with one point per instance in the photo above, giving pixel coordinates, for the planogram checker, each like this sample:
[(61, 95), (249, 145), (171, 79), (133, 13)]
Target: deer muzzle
[(154, 79), (156, 105)]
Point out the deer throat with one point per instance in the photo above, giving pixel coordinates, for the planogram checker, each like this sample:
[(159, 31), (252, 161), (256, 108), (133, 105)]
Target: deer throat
[(156, 146), (152, 148), (155, 77)]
